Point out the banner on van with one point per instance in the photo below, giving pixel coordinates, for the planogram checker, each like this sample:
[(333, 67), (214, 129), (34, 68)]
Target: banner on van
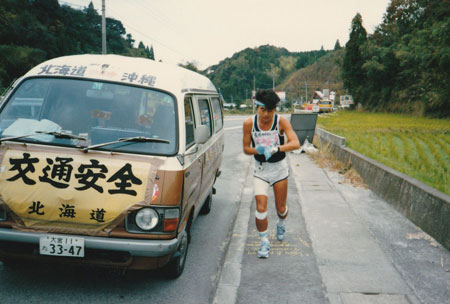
[(98, 71), (80, 192)]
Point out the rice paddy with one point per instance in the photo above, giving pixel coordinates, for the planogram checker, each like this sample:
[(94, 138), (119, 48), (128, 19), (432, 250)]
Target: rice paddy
[(416, 146)]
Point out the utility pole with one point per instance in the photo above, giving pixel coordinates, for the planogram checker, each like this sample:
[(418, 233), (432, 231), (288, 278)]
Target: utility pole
[(254, 90), (306, 87), (103, 28)]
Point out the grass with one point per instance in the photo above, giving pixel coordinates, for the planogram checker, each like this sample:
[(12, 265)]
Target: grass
[(416, 146)]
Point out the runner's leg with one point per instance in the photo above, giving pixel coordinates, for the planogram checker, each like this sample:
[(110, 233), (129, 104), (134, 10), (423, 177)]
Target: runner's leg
[(261, 208), (261, 194), (280, 191)]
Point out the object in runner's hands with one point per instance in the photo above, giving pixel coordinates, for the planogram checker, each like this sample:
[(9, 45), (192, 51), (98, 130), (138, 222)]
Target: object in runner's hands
[(260, 149), (269, 151)]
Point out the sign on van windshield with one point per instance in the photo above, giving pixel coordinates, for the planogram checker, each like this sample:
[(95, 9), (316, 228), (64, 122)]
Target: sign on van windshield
[(95, 112)]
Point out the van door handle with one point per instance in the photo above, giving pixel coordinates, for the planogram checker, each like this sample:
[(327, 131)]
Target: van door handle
[(188, 173)]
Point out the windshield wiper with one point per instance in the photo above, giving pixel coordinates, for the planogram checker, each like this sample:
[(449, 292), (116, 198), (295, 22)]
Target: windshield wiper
[(132, 139), (15, 137), (62, 135), (54, 133)]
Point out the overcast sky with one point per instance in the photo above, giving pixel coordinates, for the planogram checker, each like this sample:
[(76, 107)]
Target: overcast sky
[(208, 31)]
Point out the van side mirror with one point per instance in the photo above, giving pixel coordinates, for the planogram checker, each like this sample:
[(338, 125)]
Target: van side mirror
[(201, 134)]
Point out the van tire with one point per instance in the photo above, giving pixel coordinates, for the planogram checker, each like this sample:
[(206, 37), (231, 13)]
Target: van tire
[(207, 204), (175, 267)]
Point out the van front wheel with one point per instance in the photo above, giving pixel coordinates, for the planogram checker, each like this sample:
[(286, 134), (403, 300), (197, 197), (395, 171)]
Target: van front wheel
[(175, 267)]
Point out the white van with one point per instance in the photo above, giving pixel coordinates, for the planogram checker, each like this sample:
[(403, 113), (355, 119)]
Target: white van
[(108, 160)]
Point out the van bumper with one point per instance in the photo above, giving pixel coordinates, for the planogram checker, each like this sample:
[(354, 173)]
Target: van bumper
[(138, 248)]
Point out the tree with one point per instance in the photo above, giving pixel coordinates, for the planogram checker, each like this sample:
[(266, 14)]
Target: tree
[(115, 36), (337, 45), (151, 53), (16, 61), (352, 72), (322, 51), (130, 41), (190, 65), (92, 29)]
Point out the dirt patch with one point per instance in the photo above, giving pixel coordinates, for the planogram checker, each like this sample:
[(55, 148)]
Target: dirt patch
[(325, 159)]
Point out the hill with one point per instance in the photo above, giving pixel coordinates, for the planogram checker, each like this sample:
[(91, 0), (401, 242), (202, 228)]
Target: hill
[(322, 74), (259, 67)]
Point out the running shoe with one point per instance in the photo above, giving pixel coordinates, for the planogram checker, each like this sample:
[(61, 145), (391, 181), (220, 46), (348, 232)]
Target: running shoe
[(281, 230), (264, 250)]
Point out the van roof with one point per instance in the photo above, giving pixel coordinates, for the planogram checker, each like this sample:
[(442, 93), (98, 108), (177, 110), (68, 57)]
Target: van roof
[(127, 70)]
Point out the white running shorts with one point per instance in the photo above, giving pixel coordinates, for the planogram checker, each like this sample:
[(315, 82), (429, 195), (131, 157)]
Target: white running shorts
[(266, 174)]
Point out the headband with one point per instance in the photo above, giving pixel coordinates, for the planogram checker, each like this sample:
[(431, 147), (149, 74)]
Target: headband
[(259, 103)]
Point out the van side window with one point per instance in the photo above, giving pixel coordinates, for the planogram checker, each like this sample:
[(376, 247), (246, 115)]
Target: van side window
[(189, 121), (217, 110), (205, 114)]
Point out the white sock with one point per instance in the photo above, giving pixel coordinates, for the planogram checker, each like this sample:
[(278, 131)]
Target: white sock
[(264, 236), (281, 222)]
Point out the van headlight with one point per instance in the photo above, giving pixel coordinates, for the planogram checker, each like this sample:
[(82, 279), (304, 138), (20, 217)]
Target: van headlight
[(147, 218)]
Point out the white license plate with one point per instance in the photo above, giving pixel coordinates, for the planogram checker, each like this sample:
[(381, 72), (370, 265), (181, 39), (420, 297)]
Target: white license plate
[(61, 245)]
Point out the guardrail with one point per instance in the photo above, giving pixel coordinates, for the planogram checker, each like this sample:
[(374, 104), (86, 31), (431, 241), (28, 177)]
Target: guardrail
[(425, 206)]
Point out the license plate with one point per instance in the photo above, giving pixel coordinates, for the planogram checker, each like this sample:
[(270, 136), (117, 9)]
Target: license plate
[(61, 245)]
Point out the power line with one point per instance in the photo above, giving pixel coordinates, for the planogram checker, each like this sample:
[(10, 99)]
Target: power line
[(134, 29), (151, 38), (159, 16)]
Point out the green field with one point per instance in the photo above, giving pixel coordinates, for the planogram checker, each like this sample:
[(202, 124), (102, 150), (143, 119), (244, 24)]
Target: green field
[(418, 147)]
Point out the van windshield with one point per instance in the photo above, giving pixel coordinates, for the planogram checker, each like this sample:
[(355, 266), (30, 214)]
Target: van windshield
[(95, 112)]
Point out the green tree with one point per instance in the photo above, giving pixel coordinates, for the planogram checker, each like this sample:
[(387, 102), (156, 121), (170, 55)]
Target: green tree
[(16, 61), (151, 53), (352, 71), (405, 65), (190, 65), (337, 45), (130, 41)]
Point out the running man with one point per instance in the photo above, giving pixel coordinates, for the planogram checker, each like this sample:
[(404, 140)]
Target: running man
[(264, 137)]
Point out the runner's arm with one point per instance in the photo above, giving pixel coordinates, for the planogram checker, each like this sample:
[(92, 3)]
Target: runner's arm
[(292, 140), (247, 138)]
